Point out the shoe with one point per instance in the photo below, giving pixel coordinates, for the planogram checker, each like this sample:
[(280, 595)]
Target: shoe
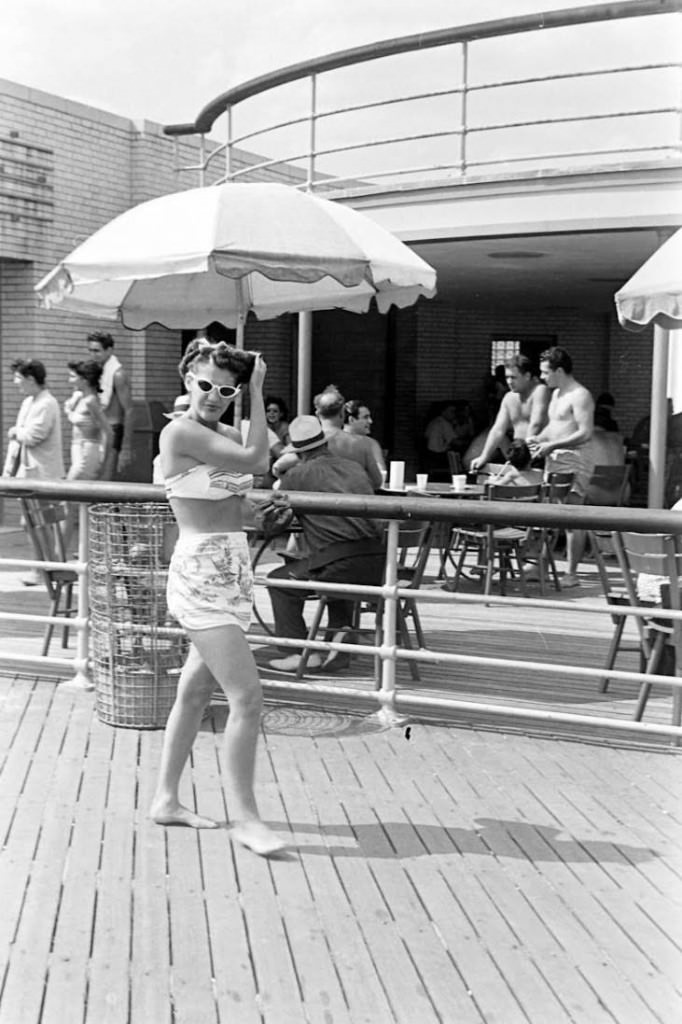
[(336, 660), (31, 581), (569, 580), (532, 575), (292, 661)]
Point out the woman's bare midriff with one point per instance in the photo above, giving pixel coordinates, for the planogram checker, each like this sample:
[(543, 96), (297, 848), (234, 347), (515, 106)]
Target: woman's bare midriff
[(196, 516)]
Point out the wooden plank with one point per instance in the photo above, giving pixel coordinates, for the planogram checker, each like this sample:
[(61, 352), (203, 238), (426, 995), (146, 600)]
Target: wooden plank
[(67, 980), (279, 990), (236, 992), (109, 987), (403, 897), (598, 792), (392, 957), (29, 954), (571, 876), (150, 990), (493, 874), (300, 891), (365, 988), (22, 766), (558, 916), (490, 990)]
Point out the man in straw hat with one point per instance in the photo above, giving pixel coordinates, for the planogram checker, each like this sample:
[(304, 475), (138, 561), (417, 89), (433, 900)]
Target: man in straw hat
[(342, 549)]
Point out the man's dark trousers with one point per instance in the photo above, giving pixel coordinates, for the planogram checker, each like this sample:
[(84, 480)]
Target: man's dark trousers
[(287, 605)]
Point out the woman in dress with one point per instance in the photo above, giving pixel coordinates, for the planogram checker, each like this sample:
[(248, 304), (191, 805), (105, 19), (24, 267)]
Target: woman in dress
[(207, 472), (91, 433)]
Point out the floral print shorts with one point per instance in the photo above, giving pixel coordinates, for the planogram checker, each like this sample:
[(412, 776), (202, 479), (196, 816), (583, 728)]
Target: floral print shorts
[(210, 582)]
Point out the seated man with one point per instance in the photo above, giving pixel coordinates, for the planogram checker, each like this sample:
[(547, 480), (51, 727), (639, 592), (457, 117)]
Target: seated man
[(329, 406), (342, 549)]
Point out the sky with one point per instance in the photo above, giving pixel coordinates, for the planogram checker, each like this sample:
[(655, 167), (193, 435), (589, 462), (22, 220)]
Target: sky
[(163, 60)]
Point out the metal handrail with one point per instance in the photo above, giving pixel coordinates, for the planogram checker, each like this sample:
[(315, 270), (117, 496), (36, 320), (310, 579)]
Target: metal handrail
[(393, 509), (226, 102)]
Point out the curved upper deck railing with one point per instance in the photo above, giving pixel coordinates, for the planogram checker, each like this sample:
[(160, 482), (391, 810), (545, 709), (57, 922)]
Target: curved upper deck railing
[(623, 105)]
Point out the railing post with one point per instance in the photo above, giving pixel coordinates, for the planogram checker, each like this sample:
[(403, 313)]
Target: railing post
[(312, 137), (82, 677), (228, 145), (387, 713), (465, 100), (202, 160)]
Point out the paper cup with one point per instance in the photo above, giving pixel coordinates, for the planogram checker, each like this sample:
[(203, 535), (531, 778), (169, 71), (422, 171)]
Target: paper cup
[(396, 477), (422, 481), (459, 481)]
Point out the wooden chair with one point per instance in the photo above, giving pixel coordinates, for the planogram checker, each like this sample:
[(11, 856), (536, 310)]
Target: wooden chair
[(414, 546), (660, 556), (603, 543), (43, 523), (498, 548), (542, 541)]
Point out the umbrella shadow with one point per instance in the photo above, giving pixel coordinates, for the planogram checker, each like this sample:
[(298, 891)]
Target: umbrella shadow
[(518, 840)]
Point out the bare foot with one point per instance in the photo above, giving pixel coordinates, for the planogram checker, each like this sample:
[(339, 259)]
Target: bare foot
[(164, 814), (256, 836)]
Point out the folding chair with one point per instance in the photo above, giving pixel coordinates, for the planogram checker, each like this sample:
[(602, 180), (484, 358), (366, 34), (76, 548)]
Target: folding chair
[(542, 541), (414, 546), (602, 543), (43, 523), (659, 556), (499, 548)]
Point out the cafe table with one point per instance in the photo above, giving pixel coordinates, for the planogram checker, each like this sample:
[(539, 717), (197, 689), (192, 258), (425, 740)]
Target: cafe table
[(443, 532)]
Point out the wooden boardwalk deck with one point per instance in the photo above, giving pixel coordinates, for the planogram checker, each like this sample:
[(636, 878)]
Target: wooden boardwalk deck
[(445, 875), (437, 873)]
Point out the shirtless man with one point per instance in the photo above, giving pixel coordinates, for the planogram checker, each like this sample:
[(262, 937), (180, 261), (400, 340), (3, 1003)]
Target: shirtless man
[(566, 441), (523, 410), (117, 403)]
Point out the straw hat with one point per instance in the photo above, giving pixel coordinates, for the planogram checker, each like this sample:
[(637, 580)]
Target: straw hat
[(180, 405), (305, 433)]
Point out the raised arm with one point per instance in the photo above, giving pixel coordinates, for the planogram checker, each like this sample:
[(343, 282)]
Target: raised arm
[(539, 404), (498, 432)]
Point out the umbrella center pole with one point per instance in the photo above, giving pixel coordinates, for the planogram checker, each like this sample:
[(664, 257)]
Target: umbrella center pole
[(658, 427), (305, 347), (241, 324)]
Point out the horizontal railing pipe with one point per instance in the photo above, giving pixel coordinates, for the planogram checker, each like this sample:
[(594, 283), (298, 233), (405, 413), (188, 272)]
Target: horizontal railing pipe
[(388, 699), (498, 513), (206, 118)]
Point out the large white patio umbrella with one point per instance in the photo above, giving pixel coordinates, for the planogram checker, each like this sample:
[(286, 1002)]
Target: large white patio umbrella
[(216, 253), (653, 296)]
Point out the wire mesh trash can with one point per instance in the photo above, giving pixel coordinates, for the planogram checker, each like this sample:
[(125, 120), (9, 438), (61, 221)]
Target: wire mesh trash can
[(135, 662)]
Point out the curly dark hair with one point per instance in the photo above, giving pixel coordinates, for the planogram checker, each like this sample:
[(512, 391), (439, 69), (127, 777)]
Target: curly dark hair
[(30, 368), (222, 355), (352, 409), (102, 338), (558, 359), (89, 370), (519, 455), (281, 405)]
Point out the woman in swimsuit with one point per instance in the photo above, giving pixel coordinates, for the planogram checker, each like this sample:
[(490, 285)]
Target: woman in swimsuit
[(207, 471), (91, 433)]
